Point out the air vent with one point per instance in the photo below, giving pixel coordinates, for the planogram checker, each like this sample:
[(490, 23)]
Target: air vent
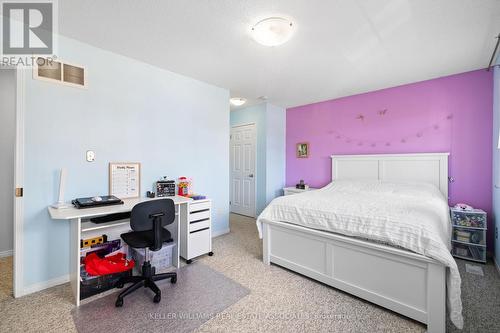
[(59, 72), (74, 74), (52, 71)]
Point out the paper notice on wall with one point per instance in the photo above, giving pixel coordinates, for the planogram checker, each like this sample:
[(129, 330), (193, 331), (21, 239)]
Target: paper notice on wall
[(125, 180)]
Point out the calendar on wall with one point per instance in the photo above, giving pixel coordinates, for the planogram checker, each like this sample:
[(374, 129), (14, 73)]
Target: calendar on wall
[(125, 180)]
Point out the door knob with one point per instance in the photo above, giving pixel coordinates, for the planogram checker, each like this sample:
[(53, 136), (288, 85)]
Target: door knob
[(250, 175)]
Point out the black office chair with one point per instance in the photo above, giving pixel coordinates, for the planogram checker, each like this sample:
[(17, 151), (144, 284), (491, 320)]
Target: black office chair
[(147, 220)]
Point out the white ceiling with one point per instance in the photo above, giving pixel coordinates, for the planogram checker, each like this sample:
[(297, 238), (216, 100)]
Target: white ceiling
[(340, 48)]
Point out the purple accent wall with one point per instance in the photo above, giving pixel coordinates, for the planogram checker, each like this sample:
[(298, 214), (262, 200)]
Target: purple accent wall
[(450, 114)]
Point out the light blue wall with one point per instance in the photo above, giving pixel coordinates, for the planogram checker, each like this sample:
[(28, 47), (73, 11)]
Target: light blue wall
[(7, 144), (496, 158), (131, 111), (257, 115), (270, 122), (275, 151)]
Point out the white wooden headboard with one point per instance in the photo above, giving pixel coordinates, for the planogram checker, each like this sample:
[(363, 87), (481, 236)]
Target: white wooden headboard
[(429, 168)]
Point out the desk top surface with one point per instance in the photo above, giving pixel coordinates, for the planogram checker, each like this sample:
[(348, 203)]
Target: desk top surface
[(128, 204)]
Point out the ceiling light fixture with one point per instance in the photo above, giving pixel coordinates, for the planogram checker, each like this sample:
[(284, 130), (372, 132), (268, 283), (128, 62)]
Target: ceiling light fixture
[(273, 31), (237, 101)]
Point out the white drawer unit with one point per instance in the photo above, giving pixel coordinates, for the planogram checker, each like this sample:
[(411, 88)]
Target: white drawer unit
[(196, 232)]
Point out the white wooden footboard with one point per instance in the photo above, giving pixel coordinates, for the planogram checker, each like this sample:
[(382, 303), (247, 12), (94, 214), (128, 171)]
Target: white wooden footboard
[(407, 283)]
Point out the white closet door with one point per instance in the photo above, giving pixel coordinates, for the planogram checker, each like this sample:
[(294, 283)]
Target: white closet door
[(243, 177)]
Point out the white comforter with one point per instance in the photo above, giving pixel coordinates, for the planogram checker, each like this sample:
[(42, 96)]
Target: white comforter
[(412, 216)]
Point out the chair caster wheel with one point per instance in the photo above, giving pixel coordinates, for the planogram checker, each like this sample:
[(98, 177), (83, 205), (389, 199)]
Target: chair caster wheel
[(119, 285), (210, 253), (189, 261), (157, 299), (119, 303), (173, 280)]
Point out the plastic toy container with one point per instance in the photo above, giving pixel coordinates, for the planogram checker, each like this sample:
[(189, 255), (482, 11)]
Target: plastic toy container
[(468, 218), (161, 259), (469, 236), (93, 285), (470, 252)]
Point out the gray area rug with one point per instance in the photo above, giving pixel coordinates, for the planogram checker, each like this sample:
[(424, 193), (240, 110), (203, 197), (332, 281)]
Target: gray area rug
[(199, 295)]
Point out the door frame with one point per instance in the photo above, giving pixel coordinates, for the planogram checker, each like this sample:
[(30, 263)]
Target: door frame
[(18, 285), (256, 174)]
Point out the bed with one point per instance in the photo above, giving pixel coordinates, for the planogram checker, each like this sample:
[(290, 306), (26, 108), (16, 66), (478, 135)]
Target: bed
[(407, 275)]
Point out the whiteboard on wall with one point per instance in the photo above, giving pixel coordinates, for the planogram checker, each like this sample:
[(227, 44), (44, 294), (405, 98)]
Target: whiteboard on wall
[(125, 179)]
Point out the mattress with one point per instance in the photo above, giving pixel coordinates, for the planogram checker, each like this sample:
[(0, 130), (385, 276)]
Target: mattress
[(412, 216)]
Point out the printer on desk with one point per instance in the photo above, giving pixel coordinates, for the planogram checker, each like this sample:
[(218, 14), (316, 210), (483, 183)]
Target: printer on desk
[(98, 201)]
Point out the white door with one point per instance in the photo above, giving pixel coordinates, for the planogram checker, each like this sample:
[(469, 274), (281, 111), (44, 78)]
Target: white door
[(243, 142)]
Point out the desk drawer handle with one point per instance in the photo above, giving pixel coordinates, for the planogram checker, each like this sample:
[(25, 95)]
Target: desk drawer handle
[(192, 232), (198, 221), (199, 211)]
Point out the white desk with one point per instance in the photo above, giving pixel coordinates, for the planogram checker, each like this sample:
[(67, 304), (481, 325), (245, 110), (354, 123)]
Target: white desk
[(81, 227)]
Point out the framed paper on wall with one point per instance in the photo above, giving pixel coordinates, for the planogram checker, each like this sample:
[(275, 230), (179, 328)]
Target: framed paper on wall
[(303, 150), (125, 179)]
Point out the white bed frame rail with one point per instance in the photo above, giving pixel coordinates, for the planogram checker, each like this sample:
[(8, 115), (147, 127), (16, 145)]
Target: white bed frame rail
[(402, 281)]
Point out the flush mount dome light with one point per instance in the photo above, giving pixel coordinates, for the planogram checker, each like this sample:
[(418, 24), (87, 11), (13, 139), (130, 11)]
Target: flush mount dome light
[(237, 101), (273, 31)]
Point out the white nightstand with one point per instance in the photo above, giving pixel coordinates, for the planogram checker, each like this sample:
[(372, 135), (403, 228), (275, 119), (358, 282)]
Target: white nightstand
[(293, 190)]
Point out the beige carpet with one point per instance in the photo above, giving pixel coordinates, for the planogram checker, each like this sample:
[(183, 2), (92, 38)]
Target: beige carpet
[(5, 278), (279, 300)]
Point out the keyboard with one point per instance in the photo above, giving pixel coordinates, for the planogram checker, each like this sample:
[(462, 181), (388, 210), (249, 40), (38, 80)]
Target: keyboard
[(106, 200), (110, 218)]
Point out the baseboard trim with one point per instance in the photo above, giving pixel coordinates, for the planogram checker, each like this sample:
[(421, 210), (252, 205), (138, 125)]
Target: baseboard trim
[(496, 265), (45, 284), (7, 253), (220, 232)]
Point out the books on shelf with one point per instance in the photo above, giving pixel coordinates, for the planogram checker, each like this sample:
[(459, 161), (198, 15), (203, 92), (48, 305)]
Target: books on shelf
[(463, 239), (462, 236), (460, 251), (476, 252)]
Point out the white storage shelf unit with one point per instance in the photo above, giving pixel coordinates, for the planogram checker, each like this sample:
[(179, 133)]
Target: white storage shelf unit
[(196, 234), (469, 234)]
